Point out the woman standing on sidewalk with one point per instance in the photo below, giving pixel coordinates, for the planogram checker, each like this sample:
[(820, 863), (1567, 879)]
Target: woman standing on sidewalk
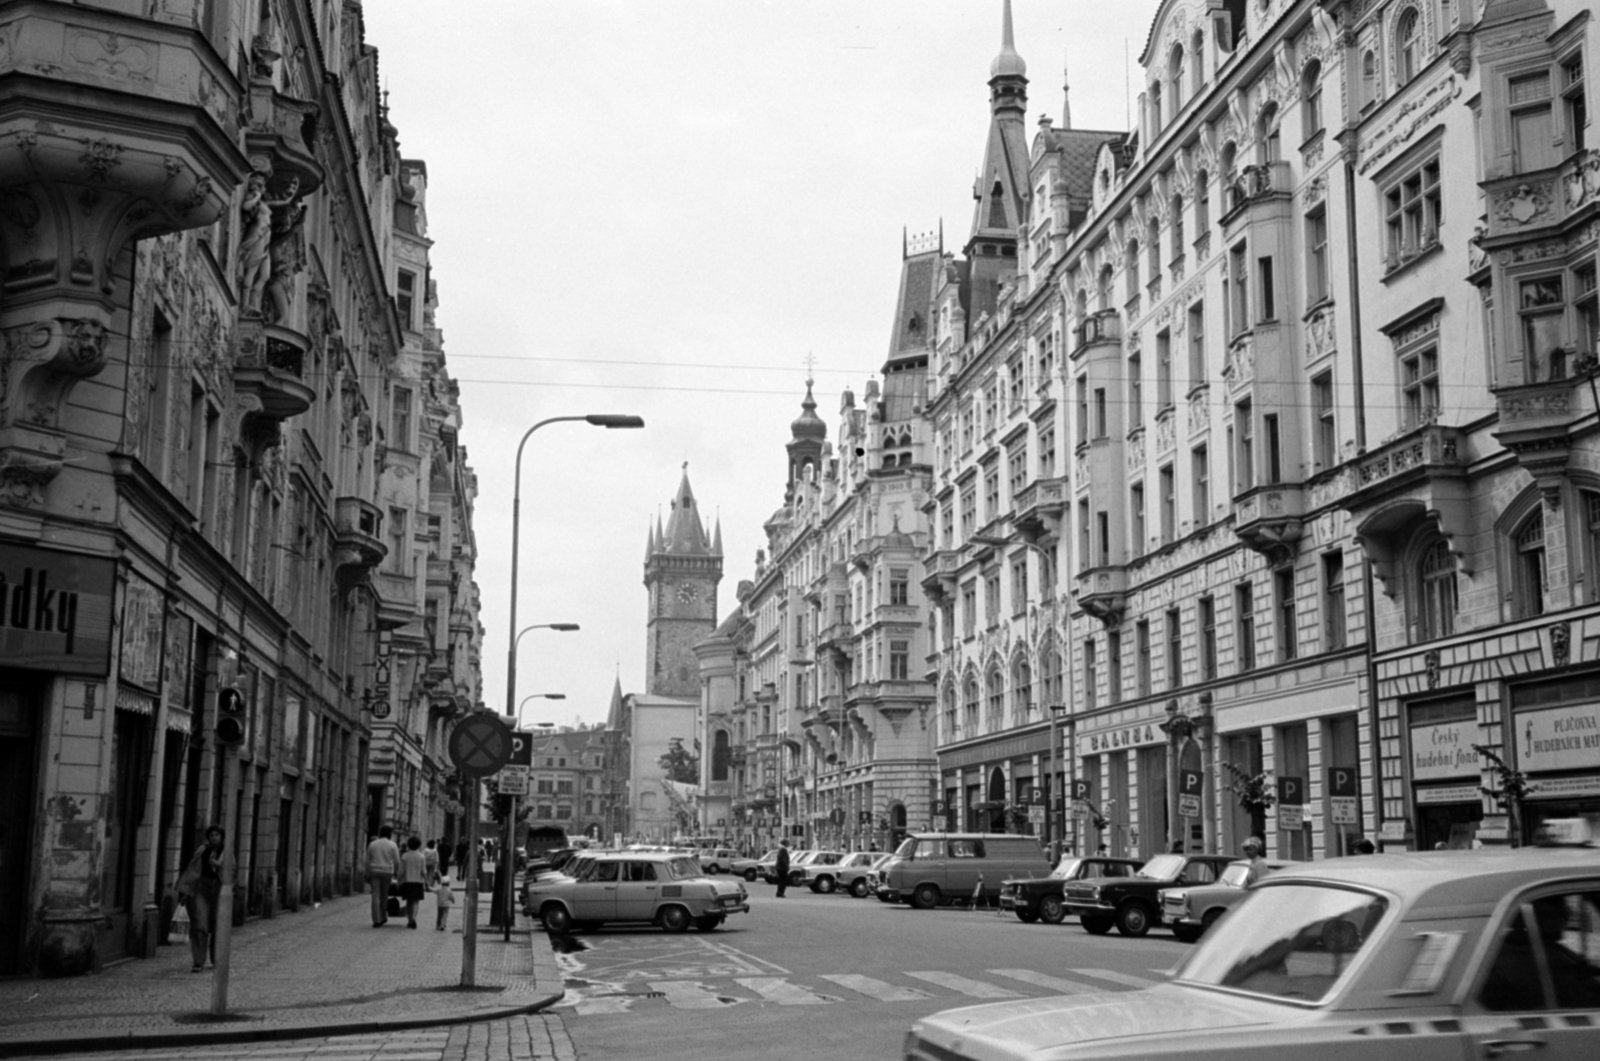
[(413, 879), (198, 888)]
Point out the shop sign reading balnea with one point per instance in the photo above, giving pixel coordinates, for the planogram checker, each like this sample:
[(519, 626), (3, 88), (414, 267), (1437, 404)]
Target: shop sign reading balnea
[(1127, 737)]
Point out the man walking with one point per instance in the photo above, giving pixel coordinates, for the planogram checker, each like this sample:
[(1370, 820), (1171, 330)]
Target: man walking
[(783, 867), (383, 859)]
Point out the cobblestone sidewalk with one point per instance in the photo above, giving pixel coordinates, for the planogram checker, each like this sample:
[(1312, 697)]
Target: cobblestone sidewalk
[(317, 972)]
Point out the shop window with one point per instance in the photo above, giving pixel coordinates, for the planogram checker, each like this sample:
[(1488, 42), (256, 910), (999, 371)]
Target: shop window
[(1528, 578), (1435, 605), (1413, 212)]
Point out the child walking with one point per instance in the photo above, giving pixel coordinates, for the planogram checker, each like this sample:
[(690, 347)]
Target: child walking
[(446, 899)]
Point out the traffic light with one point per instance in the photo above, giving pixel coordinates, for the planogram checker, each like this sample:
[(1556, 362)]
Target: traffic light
[(230, 715)]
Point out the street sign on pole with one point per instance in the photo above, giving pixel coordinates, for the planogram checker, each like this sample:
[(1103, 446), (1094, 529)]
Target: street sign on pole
[(521, 748), (1342, 795), (1190, 782), (480, 745), (514, 780)]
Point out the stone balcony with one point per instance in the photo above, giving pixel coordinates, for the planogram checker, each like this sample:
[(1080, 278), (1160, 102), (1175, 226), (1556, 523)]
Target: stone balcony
[(1102, 592), (1038, 508), (1101, 328), (357, 545), (1421, 474), (939, 574), (279, 136), (270, 369), (1524, 203), (1270, 519), (1260, 183), (397, 600), (1537, 421)]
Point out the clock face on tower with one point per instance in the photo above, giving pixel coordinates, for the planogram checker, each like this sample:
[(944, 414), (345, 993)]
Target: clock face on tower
[(688, 593)]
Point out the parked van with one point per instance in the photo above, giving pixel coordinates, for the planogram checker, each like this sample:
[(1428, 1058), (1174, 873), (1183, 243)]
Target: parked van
[(933, 868)]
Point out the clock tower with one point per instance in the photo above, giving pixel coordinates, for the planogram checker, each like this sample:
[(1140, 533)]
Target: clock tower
[(682, 567)]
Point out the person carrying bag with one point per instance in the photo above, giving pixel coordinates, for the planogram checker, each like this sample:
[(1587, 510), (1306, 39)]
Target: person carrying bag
[(198, 888)]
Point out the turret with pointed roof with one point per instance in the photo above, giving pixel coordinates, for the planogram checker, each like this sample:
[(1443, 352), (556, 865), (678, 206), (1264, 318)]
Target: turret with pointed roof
[(1002, 181), (808, 435), (681, 570)]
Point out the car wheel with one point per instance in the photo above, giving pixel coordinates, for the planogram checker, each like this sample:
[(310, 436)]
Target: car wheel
[(1027, 917), (796, 878), (1210, 919), (1097, 926), (750, 875), (825, 885), (1133, 919), (1051, 910), (713, 869), (674, 918), (556, 918), (926, 897), (708, 923), (859, 888)]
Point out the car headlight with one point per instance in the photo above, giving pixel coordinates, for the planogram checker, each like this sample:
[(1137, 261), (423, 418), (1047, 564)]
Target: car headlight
[(1093, 892)]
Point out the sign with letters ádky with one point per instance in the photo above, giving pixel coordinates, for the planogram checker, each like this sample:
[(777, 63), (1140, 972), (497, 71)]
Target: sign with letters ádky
[(55, 610)]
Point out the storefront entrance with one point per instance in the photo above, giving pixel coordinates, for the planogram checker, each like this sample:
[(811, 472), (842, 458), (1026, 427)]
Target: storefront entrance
[(18, 754)]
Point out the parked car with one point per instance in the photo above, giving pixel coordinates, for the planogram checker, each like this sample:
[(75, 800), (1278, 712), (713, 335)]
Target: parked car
[(750, 868), (717, 859), (1190, 911), (800, 863), (653, 887), (821, 872), (1431, 955), (876, 877), (850, 874), (1133, 903), (1040, 898), (933, 868), (769, 866)]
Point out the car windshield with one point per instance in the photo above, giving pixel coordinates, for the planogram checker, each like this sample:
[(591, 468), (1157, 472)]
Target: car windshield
[(1235, 875), (1294, 942), (1066, 869), (1162, 867), (907, 848)]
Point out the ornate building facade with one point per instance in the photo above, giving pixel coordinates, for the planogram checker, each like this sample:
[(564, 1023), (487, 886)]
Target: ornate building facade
[(206, 218)]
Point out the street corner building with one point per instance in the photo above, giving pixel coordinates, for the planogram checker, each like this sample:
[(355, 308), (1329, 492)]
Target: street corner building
[(230, 470), (1250, 465)]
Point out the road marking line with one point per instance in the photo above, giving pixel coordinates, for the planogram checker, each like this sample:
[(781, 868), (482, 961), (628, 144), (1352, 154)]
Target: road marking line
[(1049, 983), (966, 986), (776, 989), (1116, 977), (691, 994), (877, 989), (593, 1006)]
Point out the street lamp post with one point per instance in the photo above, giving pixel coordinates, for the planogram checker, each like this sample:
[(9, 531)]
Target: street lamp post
[(607, 420)]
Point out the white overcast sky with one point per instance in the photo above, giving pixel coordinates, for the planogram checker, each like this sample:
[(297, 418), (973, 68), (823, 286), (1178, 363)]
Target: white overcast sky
[(663, 208)]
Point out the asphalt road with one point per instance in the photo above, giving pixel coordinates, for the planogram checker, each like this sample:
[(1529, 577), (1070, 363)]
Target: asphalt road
[(812, 976)]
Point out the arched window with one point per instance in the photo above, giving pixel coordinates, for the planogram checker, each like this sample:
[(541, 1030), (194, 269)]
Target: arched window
[(950, 731), (1436, 591), (1131, 261), (994, 717), (1153, 100), (1197, 72), (1153, 247), (1175, 80), (1529, 576), (1408, 45), (1231, 191), (719, 756), (969, 714), (1080, 306), (1311, 99), (1268, 145), (1105, 287), (1177, 228), (1050, 663), (1022, 691), (1369, 79), (1202, 203)]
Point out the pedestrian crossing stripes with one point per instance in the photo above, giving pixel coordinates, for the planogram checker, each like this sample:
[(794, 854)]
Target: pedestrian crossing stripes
[(593, 997)]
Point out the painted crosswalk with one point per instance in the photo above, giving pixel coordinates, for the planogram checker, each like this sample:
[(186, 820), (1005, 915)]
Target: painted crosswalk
[(594, 997)]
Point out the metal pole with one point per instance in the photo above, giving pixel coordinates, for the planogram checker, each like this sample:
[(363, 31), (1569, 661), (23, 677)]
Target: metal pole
[(508, 870), (1050, 823), (222, 938), (469, 908)]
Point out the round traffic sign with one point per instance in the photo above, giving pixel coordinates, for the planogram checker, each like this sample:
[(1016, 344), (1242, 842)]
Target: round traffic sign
[(480, 745)]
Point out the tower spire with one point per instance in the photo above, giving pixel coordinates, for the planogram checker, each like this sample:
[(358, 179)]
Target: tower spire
[(1066, 95)]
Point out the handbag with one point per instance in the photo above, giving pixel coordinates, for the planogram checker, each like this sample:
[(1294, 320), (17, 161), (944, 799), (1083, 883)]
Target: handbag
[(179, 928)]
